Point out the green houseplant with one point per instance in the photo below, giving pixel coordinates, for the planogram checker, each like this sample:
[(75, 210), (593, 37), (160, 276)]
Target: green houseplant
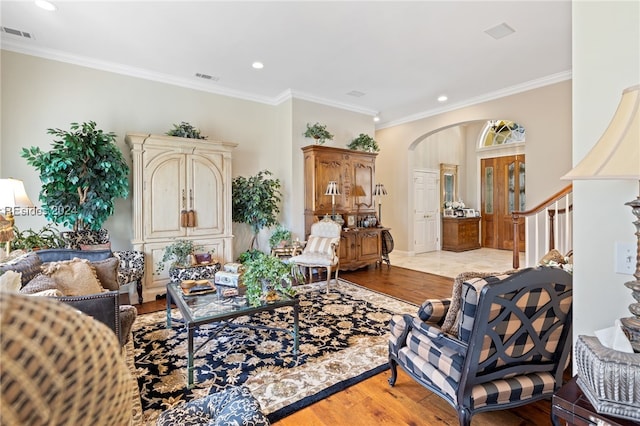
[(185, 130), (264, 273), (280, 235), (178, 253), (255, 202), (47, 237), (81, 176), (364, 143), (318, 132)]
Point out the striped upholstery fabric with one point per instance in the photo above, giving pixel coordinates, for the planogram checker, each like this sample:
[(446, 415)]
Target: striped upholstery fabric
[(434, 310), (513, 345), (59, 367), (321, 250)]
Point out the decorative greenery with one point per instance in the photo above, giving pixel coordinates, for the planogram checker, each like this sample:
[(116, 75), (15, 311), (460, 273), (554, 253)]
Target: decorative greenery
[(261, 269), (279, 234), (179, 252), (318, 132), (81, 176), (185, 130), (364, 143), (47, 237), (255, 202)]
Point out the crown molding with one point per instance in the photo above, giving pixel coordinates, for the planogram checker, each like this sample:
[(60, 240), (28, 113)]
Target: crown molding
[(116, 68), (507, 91), (188, 83)]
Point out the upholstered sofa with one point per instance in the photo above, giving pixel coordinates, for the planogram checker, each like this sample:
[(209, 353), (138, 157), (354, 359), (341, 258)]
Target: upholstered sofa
[(58, 273)]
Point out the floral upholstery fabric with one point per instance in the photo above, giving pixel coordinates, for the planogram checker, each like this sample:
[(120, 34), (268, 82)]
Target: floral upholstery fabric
[(198, 272), (232, 406)]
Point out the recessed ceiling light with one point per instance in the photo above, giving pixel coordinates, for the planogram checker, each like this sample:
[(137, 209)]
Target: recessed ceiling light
[(376, 118), (257, 65), (355, 93), (442, 98), (500, 31), (44, 4)]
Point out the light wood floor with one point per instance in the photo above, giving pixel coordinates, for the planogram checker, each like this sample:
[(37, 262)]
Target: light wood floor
[(373, 401)]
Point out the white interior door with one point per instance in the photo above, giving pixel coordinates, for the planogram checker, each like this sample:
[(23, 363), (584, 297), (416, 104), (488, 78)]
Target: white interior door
[(426, 211)]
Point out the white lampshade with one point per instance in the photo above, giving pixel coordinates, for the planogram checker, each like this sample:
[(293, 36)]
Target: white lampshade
[(13, 194), (332, 188), (617, 153), (379, 190)]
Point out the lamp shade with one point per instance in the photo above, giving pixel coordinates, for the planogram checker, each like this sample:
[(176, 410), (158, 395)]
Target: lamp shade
[(617, 154), (332, 188), (13, 194), (379, 190)]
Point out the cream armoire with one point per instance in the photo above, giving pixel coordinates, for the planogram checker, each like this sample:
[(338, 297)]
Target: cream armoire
[(171, 176)]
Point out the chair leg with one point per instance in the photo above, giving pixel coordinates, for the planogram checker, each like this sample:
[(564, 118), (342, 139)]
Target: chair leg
[(394, 372), (464, 416), (139, 289), (328, 277)]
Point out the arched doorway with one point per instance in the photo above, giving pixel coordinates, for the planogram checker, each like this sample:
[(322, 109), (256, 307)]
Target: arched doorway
[(461, 144)]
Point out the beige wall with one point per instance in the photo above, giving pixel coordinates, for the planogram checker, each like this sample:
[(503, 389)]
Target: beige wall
[(606, 60), (544, 112), (38, 94)]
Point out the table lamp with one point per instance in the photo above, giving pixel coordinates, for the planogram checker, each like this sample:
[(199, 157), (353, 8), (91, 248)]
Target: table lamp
[(6, 233), (332, 189), (616, 155), (379, 191), (12, 196)]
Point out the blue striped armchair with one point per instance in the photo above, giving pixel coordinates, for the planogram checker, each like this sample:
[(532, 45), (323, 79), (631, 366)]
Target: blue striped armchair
[(509, 347)]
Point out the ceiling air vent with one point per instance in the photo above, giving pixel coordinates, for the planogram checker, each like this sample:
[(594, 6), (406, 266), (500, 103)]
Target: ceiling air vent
[(207, 77), (17, 33)]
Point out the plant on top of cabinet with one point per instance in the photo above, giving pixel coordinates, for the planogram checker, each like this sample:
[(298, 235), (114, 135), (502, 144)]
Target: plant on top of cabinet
[(81, 176), (185, 130), (364, 143), (255, 202), (318, 132)]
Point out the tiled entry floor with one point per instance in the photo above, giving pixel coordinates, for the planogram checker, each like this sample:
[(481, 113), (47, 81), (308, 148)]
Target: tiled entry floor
[(450, 264)]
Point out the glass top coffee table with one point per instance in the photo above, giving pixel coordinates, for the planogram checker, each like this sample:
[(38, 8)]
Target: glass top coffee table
[(214, 308)]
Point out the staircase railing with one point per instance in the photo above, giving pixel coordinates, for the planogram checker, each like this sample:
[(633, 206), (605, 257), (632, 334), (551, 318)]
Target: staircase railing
[(548, 225)]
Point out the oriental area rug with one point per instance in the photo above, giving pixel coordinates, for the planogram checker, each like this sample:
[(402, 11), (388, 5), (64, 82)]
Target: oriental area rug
[(343, 340)]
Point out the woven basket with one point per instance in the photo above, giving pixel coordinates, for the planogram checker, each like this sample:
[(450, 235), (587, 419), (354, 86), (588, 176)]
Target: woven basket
[(610, 379)]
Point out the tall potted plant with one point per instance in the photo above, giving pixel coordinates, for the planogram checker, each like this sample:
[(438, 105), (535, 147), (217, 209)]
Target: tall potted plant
[(81, 176), (255, 202)]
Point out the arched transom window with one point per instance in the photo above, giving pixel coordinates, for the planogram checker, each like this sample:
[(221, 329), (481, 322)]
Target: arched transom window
[(502, 132)]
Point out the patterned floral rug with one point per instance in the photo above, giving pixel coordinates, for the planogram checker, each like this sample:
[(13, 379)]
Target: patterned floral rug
[(343, 340)]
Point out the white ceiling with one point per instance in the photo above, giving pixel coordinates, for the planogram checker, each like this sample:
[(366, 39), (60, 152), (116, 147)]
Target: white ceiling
[(400, 55)]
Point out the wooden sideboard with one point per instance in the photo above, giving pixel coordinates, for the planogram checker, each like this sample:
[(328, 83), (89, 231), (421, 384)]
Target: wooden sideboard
[(354, 174), (460, 233)]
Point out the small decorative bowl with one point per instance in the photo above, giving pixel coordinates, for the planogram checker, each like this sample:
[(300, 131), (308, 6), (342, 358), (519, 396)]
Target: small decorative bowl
[(203, 258), (187, 284)]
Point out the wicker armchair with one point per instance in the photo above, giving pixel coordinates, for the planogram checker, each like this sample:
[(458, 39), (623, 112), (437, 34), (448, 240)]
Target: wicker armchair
[(131, 268), (512, 342)]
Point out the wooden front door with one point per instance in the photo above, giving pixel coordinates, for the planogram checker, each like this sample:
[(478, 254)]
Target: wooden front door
[(503, 191)]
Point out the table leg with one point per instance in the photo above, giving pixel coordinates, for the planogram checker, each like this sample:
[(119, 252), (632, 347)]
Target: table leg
[(296, 342), (191, 330), (168, 310)]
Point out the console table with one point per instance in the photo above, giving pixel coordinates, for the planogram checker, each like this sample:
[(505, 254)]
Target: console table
[(460, 233), (571, 405)]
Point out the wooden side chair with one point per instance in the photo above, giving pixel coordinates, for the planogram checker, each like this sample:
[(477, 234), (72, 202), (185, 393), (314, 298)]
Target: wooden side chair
[(321, 250)]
